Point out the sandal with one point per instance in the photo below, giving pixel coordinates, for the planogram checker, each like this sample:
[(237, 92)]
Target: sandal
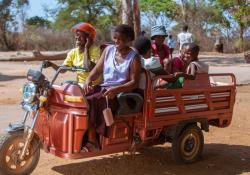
[(84, 149), (90, 147)]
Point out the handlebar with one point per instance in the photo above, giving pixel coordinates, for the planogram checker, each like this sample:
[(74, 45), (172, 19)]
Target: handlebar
[(47, 63), (73, 68), (67, 68)]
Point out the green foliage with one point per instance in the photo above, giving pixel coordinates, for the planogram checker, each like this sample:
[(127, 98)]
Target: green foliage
[(8, 11), (157, 12), (37, 21), (237, 44), (239, 10), (155, 6), (207, 19), (99, 13)]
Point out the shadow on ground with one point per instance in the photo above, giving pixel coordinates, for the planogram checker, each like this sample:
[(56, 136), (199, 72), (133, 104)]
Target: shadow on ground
[(218, 159), (10, 77)]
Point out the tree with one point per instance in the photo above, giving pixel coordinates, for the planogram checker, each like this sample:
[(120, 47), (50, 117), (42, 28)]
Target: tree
[(38, 22), (239, 11), (204, 21), (131, 14), (136, 17), (127, 12), (92, 11), (9, 9), (158, 11)]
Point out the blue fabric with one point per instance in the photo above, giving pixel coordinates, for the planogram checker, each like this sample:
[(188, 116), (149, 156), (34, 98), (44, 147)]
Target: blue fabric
[(150, 63), (158, 30)]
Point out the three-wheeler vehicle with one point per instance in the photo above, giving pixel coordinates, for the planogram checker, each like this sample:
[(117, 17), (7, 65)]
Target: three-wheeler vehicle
[(146, 117)]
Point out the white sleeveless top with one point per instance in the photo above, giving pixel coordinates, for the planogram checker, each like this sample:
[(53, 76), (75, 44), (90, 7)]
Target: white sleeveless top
[(115, 74)]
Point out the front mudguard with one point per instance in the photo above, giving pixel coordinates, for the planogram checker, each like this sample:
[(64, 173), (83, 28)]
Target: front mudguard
[(15, 127), (20, 127)]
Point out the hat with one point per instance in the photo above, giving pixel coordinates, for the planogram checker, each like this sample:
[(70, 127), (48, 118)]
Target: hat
[(85, 27), (158, 30)]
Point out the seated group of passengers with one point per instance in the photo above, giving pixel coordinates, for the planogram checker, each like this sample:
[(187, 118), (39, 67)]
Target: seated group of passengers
[(184, 66), (118, 69)]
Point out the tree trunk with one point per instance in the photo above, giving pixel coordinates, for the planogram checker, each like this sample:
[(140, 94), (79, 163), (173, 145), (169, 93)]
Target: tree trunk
[(137, 19), (5, 41), (183, 9), (127, 13), (242, 37)]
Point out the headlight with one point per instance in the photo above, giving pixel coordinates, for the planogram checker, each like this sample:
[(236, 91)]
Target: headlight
[(29, 92)]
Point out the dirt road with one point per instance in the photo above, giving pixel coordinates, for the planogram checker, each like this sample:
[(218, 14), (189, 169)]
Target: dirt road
[(226, 151)]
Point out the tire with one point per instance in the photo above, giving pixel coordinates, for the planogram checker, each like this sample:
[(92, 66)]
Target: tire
[(188, 145), (10, 148)]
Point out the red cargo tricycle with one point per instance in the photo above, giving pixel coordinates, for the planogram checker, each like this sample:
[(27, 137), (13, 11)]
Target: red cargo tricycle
[(145, 117)]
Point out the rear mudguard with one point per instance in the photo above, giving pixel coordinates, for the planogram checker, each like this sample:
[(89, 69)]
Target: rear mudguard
[(177, 129)]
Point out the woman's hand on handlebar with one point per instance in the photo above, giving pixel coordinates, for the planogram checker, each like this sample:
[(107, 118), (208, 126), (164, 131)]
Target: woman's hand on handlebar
[(46, 64)]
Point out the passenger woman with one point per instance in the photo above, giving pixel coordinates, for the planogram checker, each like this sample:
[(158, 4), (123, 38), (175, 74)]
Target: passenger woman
[(120, 67)]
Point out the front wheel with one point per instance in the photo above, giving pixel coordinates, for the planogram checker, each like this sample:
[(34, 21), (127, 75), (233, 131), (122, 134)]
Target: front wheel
[(10, 149), (188, 146)]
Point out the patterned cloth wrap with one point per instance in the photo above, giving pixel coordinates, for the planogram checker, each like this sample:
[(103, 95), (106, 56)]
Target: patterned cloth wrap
[(153, 65)]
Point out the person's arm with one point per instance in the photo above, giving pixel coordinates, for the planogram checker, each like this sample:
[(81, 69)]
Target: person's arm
[(95, 73), (47, 64), (135, 69), (166, 61), (86, 53), (67, 62), (190, 75), (167, 65), (191, 38), (167, 52)]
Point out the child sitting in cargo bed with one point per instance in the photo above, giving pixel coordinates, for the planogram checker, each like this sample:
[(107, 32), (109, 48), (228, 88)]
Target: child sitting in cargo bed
[(191, 66), (191, 62)]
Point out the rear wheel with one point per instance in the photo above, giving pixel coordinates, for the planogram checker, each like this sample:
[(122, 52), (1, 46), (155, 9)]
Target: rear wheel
[(10, 149), (188, 146)]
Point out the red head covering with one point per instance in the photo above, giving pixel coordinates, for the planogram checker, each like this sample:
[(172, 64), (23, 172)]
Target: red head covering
[(85, 27)]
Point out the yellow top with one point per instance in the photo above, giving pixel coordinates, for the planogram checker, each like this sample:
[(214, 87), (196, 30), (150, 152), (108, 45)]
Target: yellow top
[(75, 58)]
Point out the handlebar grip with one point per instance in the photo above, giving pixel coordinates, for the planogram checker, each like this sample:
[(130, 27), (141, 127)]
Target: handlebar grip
[(73, 68), (79, 69)]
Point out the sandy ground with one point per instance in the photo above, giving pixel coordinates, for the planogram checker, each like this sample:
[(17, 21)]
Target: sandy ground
[(226, 151)]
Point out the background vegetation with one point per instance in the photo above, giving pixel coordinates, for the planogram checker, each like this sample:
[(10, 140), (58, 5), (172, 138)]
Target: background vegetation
[(208, 20)]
